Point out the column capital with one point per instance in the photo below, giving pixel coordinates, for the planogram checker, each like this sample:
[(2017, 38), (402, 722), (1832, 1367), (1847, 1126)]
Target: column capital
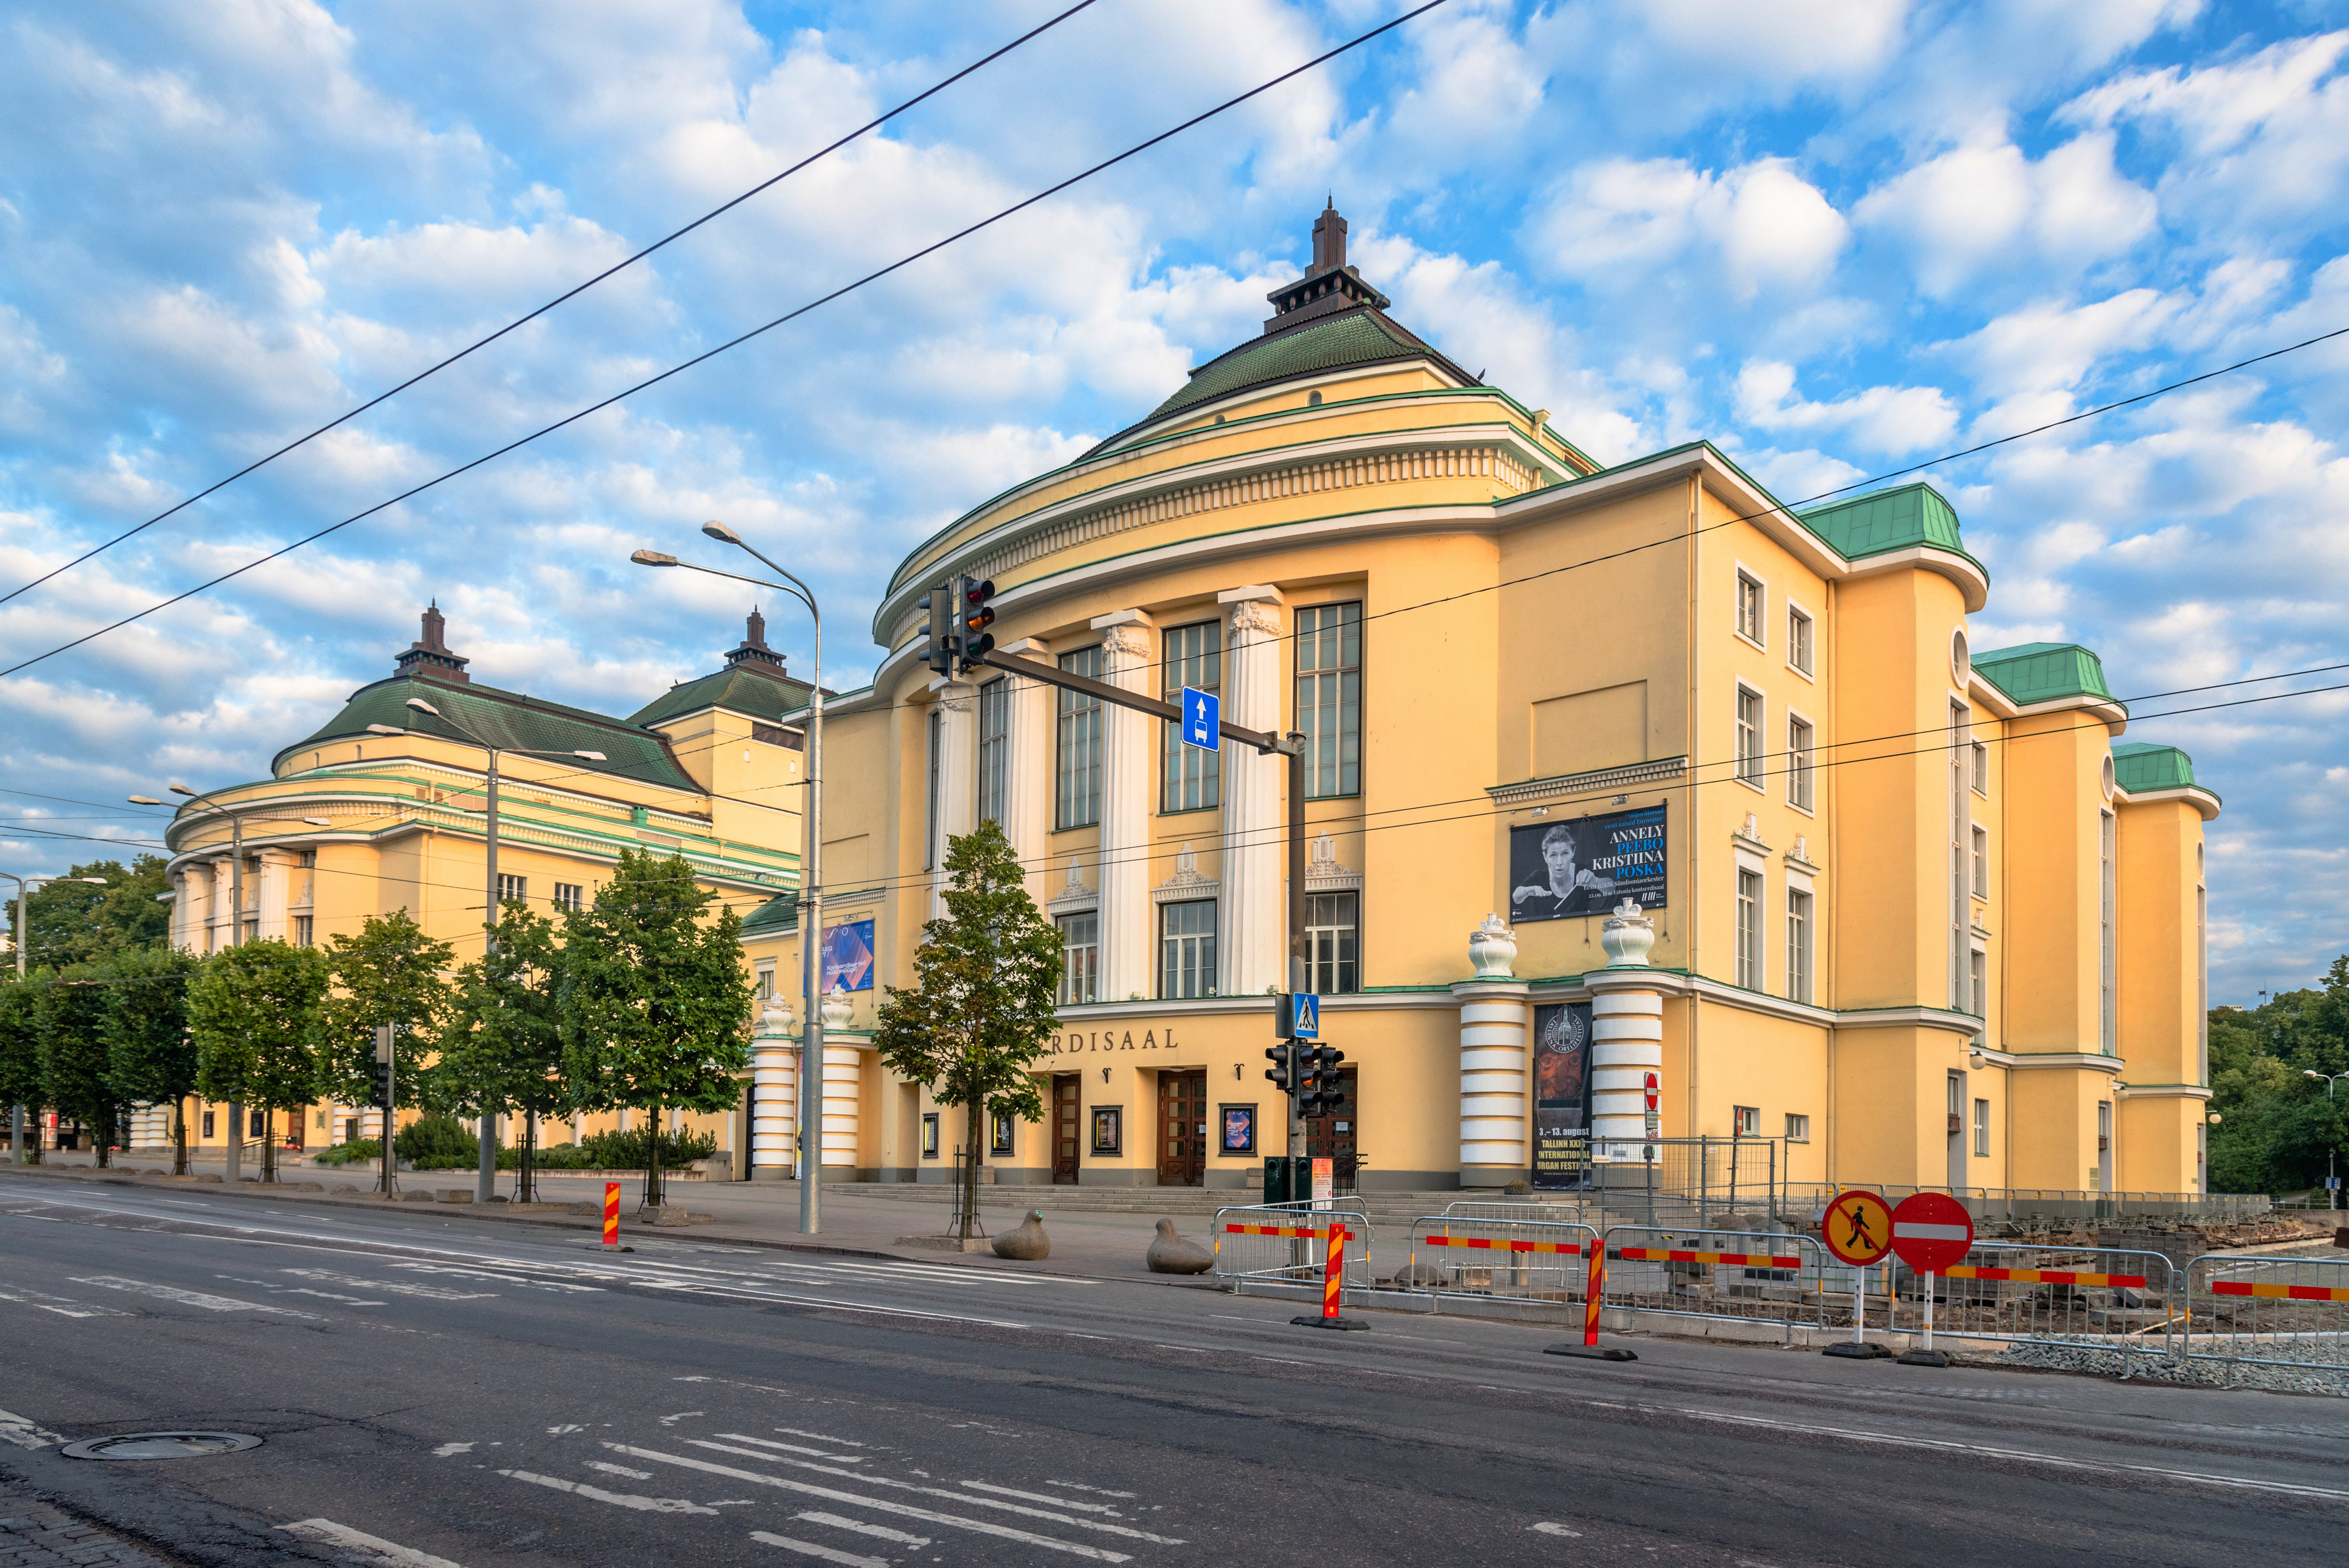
[(952, 691), (1122, 618)]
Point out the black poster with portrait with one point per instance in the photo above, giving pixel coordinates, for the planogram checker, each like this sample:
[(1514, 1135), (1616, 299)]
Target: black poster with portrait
[(1562, 1095), (1588, 865)]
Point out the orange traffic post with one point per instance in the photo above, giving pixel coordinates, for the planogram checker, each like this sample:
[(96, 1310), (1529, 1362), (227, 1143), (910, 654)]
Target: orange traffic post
[(611, 1220), (1333, 1281), (1594, 1295)]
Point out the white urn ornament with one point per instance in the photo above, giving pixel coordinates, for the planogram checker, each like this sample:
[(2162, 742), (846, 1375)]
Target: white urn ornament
[(1493, 948), (1627, 936), (776, 1019), (837, 1007)]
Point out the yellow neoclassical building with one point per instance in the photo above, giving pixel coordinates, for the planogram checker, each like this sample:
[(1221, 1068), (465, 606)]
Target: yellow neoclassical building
[(1902, 910), (383, 807)]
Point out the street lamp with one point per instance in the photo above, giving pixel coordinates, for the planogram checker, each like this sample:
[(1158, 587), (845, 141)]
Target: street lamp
[(486, 1186), (810, 1110), (25, 886), (2330, 1080)]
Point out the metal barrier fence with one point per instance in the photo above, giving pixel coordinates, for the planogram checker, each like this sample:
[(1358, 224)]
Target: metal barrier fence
[(1258, 1249), (1733, 1275), (2042, 1208), (1484, 1266), (2112, 1298), (2275, 1312)]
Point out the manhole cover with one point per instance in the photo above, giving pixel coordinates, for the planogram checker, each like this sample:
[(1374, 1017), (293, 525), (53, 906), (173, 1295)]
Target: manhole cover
[(161, 1446)]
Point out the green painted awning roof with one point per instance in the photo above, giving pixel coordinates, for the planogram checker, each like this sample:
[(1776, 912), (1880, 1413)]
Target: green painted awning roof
[(2141, 767), (2044, 672), (1358, 336), (506, 719), (1888, 519), (734, 688)]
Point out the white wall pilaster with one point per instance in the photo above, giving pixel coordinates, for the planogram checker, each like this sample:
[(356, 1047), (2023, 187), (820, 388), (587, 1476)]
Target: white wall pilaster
[(1028, 784), (958, 773), (1129, 742), (277, 891), (1254, 923)]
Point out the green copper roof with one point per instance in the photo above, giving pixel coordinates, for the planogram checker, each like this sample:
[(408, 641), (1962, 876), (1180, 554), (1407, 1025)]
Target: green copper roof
[(1358, 337), (777, 916), (506, 719), (2141, 767), (2044, 672), (1887, 519), (734, 688)]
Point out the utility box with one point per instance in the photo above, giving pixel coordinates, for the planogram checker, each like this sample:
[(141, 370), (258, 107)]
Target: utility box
[(1288, 1180)]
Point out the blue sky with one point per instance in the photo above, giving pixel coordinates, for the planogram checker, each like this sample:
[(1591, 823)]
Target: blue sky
[(1837, 237)]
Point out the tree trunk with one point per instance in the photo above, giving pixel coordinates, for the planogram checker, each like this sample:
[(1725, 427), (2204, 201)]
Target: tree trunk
[(526, 1189), (104, 1128), (268, 1144), (180, 1136), (974, 1114), (652, 1162)]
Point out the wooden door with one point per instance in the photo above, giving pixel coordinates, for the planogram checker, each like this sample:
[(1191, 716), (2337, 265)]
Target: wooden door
[(1182, 1128), (1066, 1116), (1332, 1136)]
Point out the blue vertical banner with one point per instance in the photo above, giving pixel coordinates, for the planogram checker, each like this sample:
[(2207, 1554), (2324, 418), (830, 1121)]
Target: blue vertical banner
[(848, 956), (1203, 719)]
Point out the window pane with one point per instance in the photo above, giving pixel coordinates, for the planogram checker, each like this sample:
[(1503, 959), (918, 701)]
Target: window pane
[(1186, 949), (1332, 937), (994, 748), (1329, 697), (1076, 758), (1798, 763), (1193, 778), (1080, 958)]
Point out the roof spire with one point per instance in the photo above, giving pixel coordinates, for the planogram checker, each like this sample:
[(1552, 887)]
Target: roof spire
[(1329, 285), (1329, 240), (430, 656)]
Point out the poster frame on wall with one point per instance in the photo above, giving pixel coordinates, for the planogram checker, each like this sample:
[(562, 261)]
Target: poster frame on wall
[(1561, 1099), (848, 957), (1606, 858)]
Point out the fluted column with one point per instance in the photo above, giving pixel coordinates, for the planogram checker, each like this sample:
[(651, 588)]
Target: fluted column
[(843, 1075), (957, 772), (1128, 744), (192, 913), (1028, 767), (275, 893), (1253, 921), (775, 1096), (1626, 1037)]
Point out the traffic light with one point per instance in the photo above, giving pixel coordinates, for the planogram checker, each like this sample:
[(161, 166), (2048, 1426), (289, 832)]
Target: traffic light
[(939, 631), (1320, 1094), (971, 636), (383, 1085), (1279, 1072)]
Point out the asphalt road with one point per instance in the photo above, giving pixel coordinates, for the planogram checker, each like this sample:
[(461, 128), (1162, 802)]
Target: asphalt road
[(432, 1391)]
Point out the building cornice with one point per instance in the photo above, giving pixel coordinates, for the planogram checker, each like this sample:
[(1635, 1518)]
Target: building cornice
[(2203, 802), (1600, 781), (2163, 1091)]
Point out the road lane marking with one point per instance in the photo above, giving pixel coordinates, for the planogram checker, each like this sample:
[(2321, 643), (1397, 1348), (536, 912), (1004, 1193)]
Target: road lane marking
[(878, 1531), (823, 1437), (445, 1450), (334, 1534), (728, 1448), (619, 1470), (398, 1286), (1042, 1497), (826, 1553), (621, 1499), (190, 1297), (902, 1509), (1546, 1528), (63, 1305), (1079, 1486), (22, 1431)]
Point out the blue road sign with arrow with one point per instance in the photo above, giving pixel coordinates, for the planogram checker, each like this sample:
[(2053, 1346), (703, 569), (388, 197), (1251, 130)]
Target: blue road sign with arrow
[(1203, 715)]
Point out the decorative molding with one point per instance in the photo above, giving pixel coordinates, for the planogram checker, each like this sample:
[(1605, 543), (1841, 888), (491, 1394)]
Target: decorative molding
[(2163, 1091), (1749, 835), (1324, 874), (1631, 776), (1076, 897), (1186, 883), (1253, 615)]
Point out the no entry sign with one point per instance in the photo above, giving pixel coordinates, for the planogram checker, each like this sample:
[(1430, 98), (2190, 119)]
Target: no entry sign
[(1858, 1228), (1931, 1232)]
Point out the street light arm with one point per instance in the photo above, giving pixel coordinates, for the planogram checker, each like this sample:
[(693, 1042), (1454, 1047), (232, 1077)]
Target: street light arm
[(796, 588)]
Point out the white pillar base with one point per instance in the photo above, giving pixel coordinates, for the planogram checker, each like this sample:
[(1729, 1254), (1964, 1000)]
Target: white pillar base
[(1495, 1104)]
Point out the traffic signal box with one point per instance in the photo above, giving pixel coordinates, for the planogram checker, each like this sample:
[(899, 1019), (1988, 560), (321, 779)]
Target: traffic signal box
[(956, 632)]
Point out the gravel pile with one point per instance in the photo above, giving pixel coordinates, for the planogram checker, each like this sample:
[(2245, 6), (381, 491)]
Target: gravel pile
[(2150, 1366)]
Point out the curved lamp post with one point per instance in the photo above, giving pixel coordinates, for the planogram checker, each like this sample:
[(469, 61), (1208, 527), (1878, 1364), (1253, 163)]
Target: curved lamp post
[(2330, 1080), (25, 886), (811, 1086)]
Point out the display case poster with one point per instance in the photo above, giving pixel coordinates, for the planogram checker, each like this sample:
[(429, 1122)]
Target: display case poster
[(1240, 1129), (848, 956), (1562, 1095), (1588, 865)]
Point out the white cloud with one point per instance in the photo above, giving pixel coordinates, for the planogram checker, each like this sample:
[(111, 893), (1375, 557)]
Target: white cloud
[(1760, 224), (1983, 206), (1894, 420)]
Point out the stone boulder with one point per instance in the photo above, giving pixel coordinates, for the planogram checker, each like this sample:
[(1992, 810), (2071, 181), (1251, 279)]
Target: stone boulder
[(1025, 1242), (1419, 1277), (1170, 1254)]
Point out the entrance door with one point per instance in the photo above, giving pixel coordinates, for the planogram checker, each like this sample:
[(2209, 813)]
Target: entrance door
[(1332, 1136), (1066, 1115), (1182, 1128)]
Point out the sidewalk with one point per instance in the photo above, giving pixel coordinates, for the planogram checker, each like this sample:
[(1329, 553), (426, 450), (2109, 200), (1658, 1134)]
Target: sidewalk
[(34, 1535)]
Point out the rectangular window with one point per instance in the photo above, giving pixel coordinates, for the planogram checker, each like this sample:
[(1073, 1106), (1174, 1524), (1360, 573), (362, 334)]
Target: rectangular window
[(1978, 981), (1982, 1129), (763, 978), (929, 1135), (512, 888), (994, 748), (1194, 778), (1329, 697), (1798, 1128), (1800, 762), (208, 1125), (1798, 639), (1077, 748), (1332, 933), (934, 735), (1960, 823), (1749, 607), (302, 929), (1749, 929), (1745, 1122), (1749, 736), (568, 895), (2108, 1027), (1982, 862), (1981, 769), (1080, 958), (1186, 949), (1798, 945)]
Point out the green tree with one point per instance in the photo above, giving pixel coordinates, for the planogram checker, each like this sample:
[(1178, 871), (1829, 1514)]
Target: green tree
[(981, 1008), (20, 1055), (2276, 1125), (258, 1015), (503, 1049), (69, 1020), (655, 1007), (150, 1055), (389, 972), (74, 922)]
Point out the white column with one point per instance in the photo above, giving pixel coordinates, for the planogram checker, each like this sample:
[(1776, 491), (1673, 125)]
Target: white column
[(1626, 1037), (843, 1072), (1254, 920), (1027, 786), (1493, 1099), (1128, 740), (192, 913), (774, 1094), (275, 893), (220, 919), (957, 772)]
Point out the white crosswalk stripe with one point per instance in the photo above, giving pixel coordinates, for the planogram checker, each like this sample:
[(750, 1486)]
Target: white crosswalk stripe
[(620, 1498), (878, 1531), (823, 1553), (189, 1297)]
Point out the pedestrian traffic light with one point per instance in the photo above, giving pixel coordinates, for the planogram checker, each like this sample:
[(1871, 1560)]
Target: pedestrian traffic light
[(971, 637), (1321, 1093), (383, 1085), (1280, 1070), (937, 633)]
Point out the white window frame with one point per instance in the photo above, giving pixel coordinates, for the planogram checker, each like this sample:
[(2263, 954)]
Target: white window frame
[(1799, 1126), (1981, 1128), (1802, 765), (1744, 1121), (1080, 741), (1802, 939), (1978, 857), (1759, 586), (1806, 644), (1981, 769), (2107, 968), (1080, 982), (1750, 743), (1201, 958), (570, 895), (1978, 984), (1751, 925), (519, 886)]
